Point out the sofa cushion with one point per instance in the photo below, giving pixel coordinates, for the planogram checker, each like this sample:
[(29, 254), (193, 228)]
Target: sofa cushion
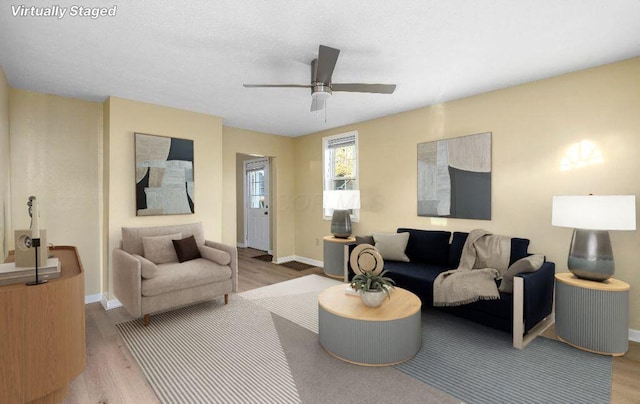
[(178, 276), (186, 249), (148, 269), (455, 250), (213, 254), (414, 276), (428, 246), (519, 247), (527, 264), (392, 245), (159, 249)]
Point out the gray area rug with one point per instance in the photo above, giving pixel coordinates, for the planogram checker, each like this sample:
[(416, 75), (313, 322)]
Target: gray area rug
[(263, 347), (477, 364)]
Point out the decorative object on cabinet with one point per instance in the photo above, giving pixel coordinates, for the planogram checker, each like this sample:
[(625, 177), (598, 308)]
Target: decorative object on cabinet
[(591, 216)]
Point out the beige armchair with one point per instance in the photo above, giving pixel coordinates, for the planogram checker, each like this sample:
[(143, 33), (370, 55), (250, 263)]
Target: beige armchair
[(148, 278)]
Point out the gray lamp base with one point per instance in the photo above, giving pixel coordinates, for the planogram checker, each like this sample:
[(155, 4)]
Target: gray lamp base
[(591, 255), (341, 224)]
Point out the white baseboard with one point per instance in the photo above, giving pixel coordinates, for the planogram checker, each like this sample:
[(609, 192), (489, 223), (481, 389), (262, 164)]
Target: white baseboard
[(93, 298), (282, 260), (241, 245), (310, 261), (634, 335), (109, 304), (298, 258)]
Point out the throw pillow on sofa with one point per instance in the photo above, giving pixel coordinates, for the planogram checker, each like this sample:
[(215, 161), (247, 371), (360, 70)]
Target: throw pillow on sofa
[(186, 249), (365, 240), (392, 246), (213, 254), (148, 269), (527, 264), (159, 249)]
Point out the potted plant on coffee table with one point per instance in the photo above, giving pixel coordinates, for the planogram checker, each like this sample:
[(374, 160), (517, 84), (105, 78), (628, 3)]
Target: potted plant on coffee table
[(373, 287)]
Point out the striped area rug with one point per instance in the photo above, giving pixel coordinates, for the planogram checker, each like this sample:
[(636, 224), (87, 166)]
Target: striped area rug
[(212, 353)]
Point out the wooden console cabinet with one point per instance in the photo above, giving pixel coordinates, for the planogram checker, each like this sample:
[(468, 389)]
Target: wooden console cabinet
[(42, 334)]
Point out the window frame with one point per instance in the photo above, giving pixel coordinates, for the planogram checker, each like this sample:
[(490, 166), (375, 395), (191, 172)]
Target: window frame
[(328, 169)]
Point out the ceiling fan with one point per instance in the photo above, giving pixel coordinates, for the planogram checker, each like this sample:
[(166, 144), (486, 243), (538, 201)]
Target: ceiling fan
[(321, 85)]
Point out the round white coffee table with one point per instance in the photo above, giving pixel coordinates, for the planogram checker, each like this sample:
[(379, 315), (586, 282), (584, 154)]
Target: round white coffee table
[(381, 336)]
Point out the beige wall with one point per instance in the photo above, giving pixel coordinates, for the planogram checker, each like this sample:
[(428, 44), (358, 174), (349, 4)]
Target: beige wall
[(56, 148), (5, 168), (280, 149), (533, 127), (125, 117)]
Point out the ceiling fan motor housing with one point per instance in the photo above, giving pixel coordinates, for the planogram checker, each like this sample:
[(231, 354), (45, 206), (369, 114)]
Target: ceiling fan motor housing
[(321, 92)]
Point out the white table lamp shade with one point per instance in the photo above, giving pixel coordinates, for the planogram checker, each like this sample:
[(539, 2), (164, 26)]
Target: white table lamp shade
[(595, 212), (342, 200)]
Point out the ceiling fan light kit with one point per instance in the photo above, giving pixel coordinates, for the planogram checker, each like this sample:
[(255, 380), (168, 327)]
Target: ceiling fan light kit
[(321, 85)]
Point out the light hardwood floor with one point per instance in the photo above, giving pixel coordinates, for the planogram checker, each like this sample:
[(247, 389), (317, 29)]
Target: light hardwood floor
[(113, 376)]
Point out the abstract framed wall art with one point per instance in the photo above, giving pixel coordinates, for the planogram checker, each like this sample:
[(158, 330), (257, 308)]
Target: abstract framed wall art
[(454, 177), (164, 175)]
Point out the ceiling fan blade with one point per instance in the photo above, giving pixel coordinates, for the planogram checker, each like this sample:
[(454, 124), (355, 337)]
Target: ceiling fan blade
[(327, 58), (317, 104), (277, 85), (364, 88)]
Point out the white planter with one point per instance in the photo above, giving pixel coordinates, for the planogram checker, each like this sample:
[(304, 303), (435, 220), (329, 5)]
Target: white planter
[(372, 299)]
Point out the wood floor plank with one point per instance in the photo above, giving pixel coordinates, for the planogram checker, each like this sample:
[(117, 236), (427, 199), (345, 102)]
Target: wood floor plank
[(113, 376)]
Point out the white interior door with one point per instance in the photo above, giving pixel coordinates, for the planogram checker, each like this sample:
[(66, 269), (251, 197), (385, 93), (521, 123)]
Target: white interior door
[(257, 204)]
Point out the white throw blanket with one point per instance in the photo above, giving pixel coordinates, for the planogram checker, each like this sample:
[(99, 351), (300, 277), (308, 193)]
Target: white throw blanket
[(484, 257)]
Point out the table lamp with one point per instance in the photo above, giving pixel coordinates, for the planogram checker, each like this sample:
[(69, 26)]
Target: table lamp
[(341, 202), (591, 216)]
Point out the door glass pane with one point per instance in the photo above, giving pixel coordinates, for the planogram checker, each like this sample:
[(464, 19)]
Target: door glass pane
[(256, 189)]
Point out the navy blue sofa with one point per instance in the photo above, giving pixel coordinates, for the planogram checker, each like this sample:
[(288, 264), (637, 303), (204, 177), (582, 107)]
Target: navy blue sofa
[(433, 251)]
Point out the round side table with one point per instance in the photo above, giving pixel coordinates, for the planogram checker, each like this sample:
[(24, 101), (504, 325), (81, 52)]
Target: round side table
[(335, 256), (593, 316)]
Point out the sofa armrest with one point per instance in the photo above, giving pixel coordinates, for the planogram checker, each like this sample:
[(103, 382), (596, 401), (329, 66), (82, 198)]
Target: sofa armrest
[(538, 294), (233, 252), (127, 281)]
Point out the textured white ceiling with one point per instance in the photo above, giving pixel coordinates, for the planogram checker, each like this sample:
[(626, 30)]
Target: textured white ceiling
[(195, 55)]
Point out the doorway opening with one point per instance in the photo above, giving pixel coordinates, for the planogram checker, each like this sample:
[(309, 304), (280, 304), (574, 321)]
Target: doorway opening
[(256, 203)]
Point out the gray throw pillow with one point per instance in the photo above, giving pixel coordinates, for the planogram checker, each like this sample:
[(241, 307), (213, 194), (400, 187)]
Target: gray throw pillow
[(364, 240), (159, 249), (392, 245), (527, 264)]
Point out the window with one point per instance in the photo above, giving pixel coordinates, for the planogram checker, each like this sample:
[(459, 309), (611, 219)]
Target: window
[(340, 155)]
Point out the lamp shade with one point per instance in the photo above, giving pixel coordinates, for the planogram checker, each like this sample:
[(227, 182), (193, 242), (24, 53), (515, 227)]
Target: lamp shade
[(341, 200), (595, 212)]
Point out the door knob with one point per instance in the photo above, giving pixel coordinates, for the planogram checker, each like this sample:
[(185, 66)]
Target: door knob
[(266, 213)]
